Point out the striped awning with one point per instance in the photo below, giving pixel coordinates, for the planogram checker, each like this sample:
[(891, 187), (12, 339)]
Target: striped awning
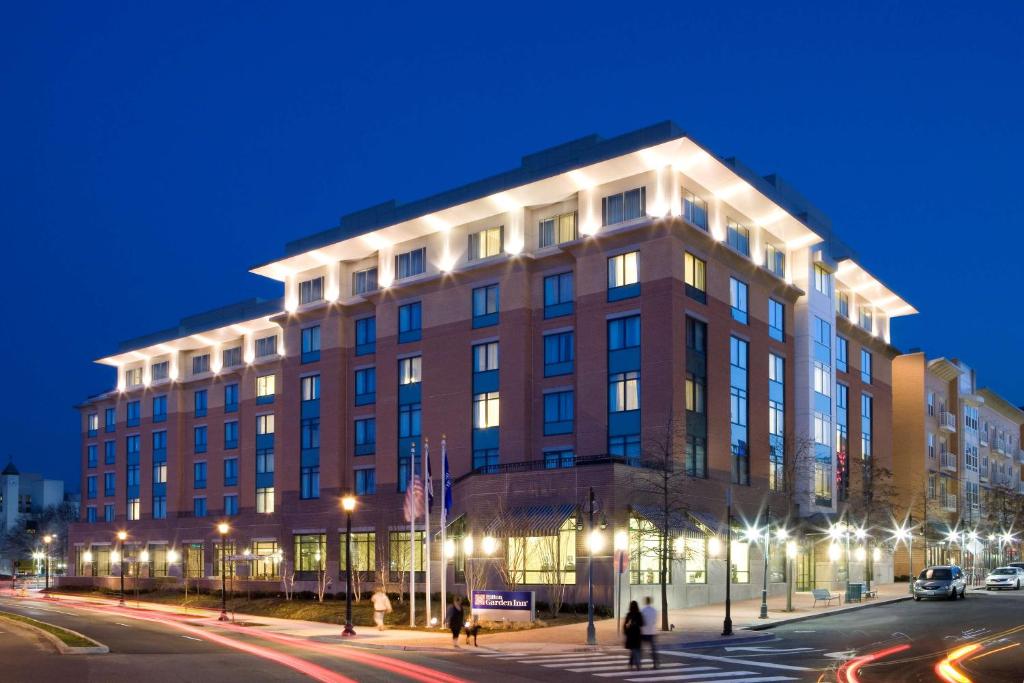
[(708, 522), (531, 520), (678, 521)]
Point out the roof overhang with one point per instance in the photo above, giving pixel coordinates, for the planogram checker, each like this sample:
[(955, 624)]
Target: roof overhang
[(862, 283), (208, 338)]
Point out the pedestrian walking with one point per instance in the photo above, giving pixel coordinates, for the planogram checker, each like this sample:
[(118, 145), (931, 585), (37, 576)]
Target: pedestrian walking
[(472, 628), (381, 606), (454, 619), (633, 626), (650, 628)]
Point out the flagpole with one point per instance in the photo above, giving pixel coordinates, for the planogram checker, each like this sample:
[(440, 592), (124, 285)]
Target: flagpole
[(412, 537), (444, 525), (427, 485)]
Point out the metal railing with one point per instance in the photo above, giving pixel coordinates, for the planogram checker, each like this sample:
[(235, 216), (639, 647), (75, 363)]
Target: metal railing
[(947, 421), (948, 501), (542, 464), (948, 460)]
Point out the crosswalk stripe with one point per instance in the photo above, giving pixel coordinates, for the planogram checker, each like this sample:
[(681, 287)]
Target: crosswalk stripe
[(607, 666), (586, 655), (580, 662), (734, 660), (752, 679), (692, 676), (618, 668), (659, 671)]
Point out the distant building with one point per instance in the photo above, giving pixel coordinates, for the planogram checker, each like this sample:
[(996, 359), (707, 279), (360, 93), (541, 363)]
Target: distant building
[(24, 496)]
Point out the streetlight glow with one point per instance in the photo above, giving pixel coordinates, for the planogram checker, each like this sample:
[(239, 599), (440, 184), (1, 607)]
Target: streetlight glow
[(714, 546), (621, 540), (489, 545), (172, 556), (467, 545), (122, 535), (834, 552), (115, 556), (348, 503), (144, 556), (860, 554), (791, 550), (223, 528), (449, 548)]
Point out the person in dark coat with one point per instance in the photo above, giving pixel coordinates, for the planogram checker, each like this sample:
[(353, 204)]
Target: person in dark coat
[(455, 619), (633, 626)]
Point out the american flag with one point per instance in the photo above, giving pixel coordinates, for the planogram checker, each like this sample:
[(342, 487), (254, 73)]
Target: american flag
[(413, 503)]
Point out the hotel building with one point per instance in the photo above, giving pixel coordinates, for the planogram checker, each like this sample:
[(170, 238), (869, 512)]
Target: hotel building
[(556, 324)]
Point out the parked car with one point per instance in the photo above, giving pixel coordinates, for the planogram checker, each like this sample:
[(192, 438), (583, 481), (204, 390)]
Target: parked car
[(942, 581), (1018, 565), (1005, 577)]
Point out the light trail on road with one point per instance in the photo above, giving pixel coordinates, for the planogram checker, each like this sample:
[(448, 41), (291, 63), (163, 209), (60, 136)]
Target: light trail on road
[(946, 668), (849, 670)]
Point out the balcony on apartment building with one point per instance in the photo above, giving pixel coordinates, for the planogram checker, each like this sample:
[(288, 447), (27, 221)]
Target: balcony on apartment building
[(947, 460), (983, 470), (999, 446), (947, 421), (947, 501)]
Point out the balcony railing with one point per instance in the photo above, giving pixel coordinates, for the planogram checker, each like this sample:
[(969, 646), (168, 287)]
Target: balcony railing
[(948, 460), (948, 502), (983, 470), (947, 421)]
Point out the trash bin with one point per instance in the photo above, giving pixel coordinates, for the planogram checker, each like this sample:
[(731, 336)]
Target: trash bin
[(854, 592)]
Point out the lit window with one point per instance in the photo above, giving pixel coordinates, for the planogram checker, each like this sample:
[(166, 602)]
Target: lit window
[(867, 318), (623, 392), (309, 388), (695, 277), (265, 500), (133, 377), (410, 370), (265, 425), (485, 357), (486, 243), (264, 386), (623, 270), (485, 410), (558, 229)]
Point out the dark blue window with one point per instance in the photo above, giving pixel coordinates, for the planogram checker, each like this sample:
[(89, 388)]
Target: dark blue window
[(366, 436), (109, 483), (311, 344), (231, 434), (230, 398), (558, 354), (159, 408), (200, 403), (366, 386), (199, 439), (90, 486), (110, 419), (109, 452), (199, 475), (559, 411), (410, 322), (625, 446), (624, 333), (90, 514), (199, 507), (93, 455), (409, 420), (133, 412), (366, 481), (558, 295), (309, 482), (485, 459), (560, 458), (366, 336), (231, 472), (231, 504), (485, 306)]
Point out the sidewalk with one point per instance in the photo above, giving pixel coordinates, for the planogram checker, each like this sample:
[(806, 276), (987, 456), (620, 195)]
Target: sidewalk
[(694, 627)]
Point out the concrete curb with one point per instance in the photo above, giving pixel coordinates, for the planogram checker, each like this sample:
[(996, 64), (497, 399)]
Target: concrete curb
[(823, 615), (62, 647)]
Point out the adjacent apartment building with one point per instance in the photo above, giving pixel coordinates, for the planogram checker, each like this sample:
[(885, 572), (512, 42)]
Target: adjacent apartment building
[(554, 325), (958, 473)]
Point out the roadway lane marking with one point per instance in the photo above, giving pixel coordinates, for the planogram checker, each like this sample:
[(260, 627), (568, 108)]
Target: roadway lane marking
[(734, 660), (120, 624), (191, 638), (753, 679)]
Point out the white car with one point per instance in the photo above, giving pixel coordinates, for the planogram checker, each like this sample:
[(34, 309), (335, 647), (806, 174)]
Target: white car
[(1005, 577)]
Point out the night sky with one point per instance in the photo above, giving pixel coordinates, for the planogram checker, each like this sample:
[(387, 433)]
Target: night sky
[(151, 155)]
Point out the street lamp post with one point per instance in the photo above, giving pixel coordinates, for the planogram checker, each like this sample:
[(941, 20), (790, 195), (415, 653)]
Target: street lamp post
[(47, 539), (764, 578), (348, 503), (791, 550), (592, 540), (121, 536), (223, 530), (910, 555), (727, 622)]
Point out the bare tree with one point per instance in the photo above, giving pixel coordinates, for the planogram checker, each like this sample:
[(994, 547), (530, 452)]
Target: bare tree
[(287, 580), (795, 486), (552, 572)]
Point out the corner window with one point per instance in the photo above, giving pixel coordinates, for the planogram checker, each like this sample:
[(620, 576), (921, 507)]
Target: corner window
[(776, 320), (695, 210), (695, 276), (738, 300), (737, 236), (624, 206)]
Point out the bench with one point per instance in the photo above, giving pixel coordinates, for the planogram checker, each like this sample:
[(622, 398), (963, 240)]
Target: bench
[(822, 595), (867, 593)]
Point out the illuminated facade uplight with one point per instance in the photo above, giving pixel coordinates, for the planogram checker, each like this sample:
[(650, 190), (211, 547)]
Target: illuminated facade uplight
[(714, 546), (834, 552), (467, 545), (489, 545)]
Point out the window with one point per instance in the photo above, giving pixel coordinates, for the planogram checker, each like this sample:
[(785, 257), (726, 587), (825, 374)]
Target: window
[(867, 409), (486, 243), (865, 366), (624, 333), (696, 456), (776, 320), (133, 377), (160, 472), (399, 559), (485, 459), (558, 413), (159, 408), (867, 318), (738, 300), (696, 335), (309, 431), (366, 386), (623, 392), (558, 354), (560, 458), (160, 371), (740, 556), (109, 452), (364, 551), (133, 411), (931, 403), (695, 210), (265, 500), (558, 229), (822, 280), (199, 439), (366, 436), (199, 506), (823, 341), (310, 552), (311, 344), (775, 260), (200, 364), (485, 306), (366, 336), (410, 370), (266, 346), (366, 481), (558, 295), (695, 276), (843, 304), (231, 358), (199, 475), (410, 322), (695, 552), (132, 509), (110, 419), (409, 415), (199, 401), (265, 425), (231, 504), (485, 410), (266, 554), (93, 424), (737, 236), (159, 507), (623, 270), (624, 206), (230, 398), (309, 388), (231, 434), (311, 290), (776, 421), (364, 281), (842, 353), (108, 512), (822, 379), (132, 446), (411, 263), (265, 389), (544, 560), (931, 446), (626, 446), (90, 486), (92, 455), (309, 482), (485, 357), (696, 390), (645, 553), (738, 410)]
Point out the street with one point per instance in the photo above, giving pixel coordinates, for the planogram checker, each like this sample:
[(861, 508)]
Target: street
[(906, 639)]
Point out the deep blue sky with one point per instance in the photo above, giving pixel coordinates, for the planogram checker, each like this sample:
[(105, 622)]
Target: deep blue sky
[(151, 155)]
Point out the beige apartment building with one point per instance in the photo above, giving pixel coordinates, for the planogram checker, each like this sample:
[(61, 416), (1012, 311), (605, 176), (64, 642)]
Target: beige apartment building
[(957, 465)]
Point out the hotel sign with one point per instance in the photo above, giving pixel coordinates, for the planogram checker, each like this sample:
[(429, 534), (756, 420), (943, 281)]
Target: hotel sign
[(504, 605)]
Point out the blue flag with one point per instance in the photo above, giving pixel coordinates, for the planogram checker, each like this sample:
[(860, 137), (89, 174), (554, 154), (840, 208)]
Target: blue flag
[(447, 479)]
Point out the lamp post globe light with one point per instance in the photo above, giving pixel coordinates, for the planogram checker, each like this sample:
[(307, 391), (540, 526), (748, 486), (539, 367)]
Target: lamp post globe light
[(348, 504), (223, 528), (47, 540), (122, 536)]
